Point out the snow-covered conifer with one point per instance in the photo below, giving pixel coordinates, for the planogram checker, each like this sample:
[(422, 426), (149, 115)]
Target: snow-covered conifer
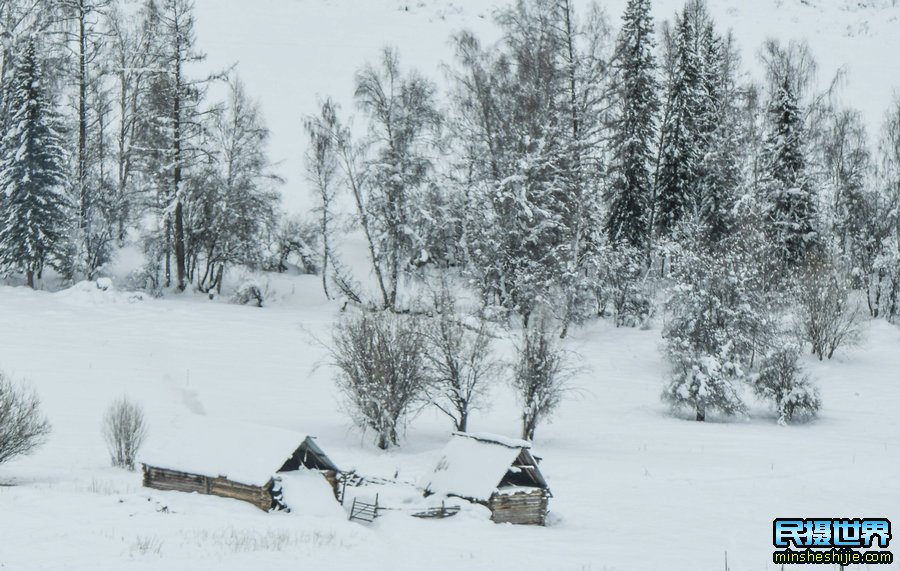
[(781, 381), (33, 172), (789, 190), (717, 321), (630, 198)]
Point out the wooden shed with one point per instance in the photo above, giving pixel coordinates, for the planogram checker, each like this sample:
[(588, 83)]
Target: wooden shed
[(500, 473), (236, 460)]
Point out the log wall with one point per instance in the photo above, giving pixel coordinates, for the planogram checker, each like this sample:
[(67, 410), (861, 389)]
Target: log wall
[(523, 508), (164, 479)]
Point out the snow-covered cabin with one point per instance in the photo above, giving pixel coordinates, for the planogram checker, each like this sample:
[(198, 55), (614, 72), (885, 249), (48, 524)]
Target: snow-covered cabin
[(500, 473), (238, 460)]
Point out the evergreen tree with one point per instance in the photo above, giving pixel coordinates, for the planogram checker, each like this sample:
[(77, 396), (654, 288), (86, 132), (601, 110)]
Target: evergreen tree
[(682, 137), (698, 170), (33, 204), (788, 188), (722, 175), (634, 128), (718, 323)]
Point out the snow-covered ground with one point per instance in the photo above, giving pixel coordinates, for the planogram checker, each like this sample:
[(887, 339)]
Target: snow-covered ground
[(634, 488)]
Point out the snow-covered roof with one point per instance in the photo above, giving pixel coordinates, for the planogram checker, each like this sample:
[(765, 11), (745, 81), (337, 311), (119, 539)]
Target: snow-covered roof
[(473, 465), (242, 452)]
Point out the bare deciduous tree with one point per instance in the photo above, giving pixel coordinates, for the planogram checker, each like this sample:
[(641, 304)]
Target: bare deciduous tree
[(22, 426), (541, 376), (124, 430), (381, 367), (459, 360)]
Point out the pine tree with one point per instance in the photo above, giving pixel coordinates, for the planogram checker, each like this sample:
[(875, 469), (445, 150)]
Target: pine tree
[(789, 190), (33, 205), (634, 128)]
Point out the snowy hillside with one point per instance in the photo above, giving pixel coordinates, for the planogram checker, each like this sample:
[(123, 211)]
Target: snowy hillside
[(620, 469), (292, 53)]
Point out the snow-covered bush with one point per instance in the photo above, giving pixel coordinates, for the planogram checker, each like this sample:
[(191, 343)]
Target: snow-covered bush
[(249, 292), (541, 376), (22, 426), (826, 317), (294, 247), (381, 370), (781, 381), (623, 285), (124, 431), (458, 356)]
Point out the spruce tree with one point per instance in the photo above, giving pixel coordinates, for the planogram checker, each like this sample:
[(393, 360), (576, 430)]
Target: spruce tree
[(722, 173), (698, 172), (634, 128), (718, 320), (792, 206), (682, 142), (34, 207)]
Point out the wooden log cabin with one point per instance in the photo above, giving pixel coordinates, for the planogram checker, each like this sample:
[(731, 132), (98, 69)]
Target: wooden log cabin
[(240, 461), (497, 472)]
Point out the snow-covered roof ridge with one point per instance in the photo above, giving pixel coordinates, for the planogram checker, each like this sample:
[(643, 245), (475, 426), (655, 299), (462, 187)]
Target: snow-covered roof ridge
[(495, 439), (242, 452)]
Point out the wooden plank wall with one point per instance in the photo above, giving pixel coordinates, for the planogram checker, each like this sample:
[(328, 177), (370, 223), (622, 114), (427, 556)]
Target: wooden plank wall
[(523, 508), (164, 479)]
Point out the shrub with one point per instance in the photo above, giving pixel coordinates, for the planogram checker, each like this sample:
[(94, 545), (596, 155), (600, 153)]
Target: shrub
[(124, 430), (382, 374), (22, 426), (781, 381), (249, 292), (826, 317)]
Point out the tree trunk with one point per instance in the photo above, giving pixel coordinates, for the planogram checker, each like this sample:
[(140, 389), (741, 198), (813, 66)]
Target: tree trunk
[(29, 278), (529, 424), (84, 201), (701, 414), (168, 251), (325, 248), (179, 246), (179, 207), (463, 421)]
